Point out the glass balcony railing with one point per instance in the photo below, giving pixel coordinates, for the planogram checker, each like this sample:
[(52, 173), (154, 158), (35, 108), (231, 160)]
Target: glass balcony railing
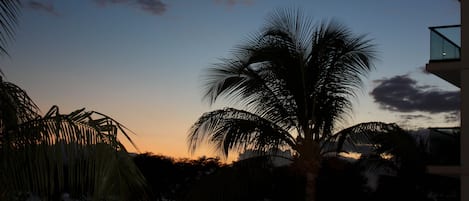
[(445, 43)]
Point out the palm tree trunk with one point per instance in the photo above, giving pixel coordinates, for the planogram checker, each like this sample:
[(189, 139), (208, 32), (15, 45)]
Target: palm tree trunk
[(310, 187), (310, 161)]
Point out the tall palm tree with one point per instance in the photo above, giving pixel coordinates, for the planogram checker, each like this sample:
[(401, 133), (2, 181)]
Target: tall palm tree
[(294, 83)]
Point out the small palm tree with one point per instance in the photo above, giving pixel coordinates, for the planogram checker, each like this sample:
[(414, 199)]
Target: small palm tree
[(76, 154), (294, 82)]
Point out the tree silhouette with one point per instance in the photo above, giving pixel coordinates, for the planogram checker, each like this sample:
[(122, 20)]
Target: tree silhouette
[(76, 155), (294, 82), (171, 179)]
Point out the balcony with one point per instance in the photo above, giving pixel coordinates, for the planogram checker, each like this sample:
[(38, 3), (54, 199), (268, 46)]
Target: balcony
[(445, 53), (445, 43)]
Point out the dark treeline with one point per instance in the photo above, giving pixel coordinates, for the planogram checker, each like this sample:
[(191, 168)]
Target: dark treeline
[(169, 178), (257, 179)]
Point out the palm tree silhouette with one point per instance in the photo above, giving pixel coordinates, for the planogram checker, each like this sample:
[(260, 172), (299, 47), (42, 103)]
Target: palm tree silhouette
[(77, 154), (294, 82)]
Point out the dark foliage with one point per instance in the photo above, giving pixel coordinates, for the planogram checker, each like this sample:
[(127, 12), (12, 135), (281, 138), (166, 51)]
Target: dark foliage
[(249, 183), (170, 179), (263, 182), (256, 179), (399, 188), (340, 180)]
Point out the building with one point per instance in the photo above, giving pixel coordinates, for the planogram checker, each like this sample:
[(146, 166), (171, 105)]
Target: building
[(450, 61)]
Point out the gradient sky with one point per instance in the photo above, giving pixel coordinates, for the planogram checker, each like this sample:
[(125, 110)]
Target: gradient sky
[(141, 61)]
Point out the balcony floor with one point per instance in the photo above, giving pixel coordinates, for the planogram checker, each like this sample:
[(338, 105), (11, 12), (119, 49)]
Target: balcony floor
[(448, 70)]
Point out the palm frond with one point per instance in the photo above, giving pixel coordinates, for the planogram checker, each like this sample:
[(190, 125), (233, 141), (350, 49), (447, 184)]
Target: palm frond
[(16, 99), (71, 153), (381, 139), (9, 11), (16, 107), (255, 89), (231, 129), (113, 127), (289, 26), (338, 62), (365, 134)]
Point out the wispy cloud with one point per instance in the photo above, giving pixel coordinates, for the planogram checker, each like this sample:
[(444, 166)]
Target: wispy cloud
[(423, 70), (414, 121), (155, 7), (408, 117), (453, 117), (402, 94), (45, 7)]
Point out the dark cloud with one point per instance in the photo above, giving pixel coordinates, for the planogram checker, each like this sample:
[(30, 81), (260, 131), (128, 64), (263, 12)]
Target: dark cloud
[(43, 7), (155, 7), (234, 2), (402, 94)]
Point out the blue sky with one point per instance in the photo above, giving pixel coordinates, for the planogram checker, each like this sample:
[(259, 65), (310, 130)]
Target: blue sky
[(141, 61)]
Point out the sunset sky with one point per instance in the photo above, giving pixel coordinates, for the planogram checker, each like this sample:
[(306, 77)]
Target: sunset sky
[(142, 61)]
